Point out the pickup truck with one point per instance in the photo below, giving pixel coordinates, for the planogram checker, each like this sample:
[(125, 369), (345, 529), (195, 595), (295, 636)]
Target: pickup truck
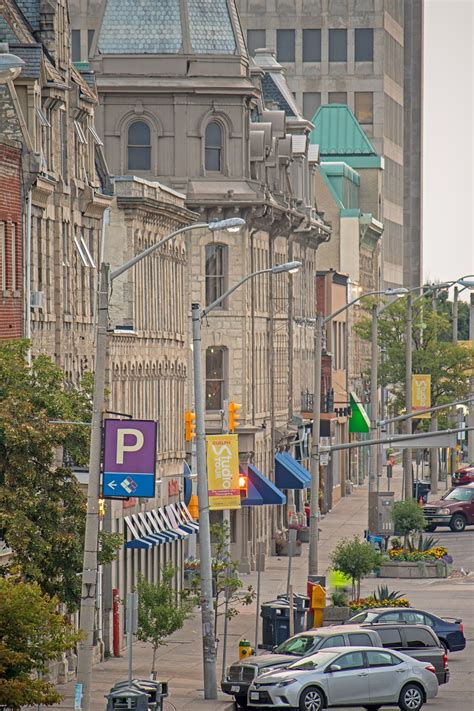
[(424, 646), (455, 509)]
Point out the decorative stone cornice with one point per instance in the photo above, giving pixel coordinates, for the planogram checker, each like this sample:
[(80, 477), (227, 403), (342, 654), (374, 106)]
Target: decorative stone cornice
[(92, 203), (42, 190)]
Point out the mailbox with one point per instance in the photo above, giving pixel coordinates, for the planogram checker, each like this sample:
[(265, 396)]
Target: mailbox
[(380, 513)]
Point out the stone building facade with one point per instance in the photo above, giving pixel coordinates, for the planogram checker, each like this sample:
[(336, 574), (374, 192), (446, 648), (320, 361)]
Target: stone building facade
[(11, 239)]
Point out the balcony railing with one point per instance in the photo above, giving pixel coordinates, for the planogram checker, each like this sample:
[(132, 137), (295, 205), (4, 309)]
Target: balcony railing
[(327, 401)]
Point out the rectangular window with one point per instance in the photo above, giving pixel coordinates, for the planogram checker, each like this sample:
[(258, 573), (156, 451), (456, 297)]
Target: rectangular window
[(3, 257), (364, 45), (215, 272), (337, 97), (255, 40), (214, 378), (66, 269), (90, 39), (338, 45), (14, 247), (311, 103), (76, 45), (364, 106), (63, 142), (311, 45), (390, 638), (286, 45)]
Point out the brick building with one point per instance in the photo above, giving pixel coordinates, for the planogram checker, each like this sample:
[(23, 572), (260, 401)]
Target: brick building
[(11, 244)]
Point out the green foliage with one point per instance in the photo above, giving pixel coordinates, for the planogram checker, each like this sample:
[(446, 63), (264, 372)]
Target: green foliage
[(339, 598), (109, 546), (425, 543), (32, 634), (161, 610), (383, 593), (433, 351), (408, 519), (355, 558), (42, 509)]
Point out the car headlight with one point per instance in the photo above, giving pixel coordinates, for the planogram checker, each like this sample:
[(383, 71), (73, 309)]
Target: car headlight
[(287, 682), (444, 512)]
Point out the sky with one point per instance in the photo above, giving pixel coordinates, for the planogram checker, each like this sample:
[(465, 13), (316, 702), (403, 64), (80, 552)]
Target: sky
[(448, 126)]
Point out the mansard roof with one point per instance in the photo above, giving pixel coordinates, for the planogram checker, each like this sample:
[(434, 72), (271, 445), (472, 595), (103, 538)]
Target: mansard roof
[(274, 85), (170, 27)]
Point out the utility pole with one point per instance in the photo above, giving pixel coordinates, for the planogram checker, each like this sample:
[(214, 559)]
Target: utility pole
[(470, 449), (374, 414), (408, 403), (315, 451)]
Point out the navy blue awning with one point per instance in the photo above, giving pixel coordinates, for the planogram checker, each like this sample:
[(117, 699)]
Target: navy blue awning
[(260, 486), (290, 474)]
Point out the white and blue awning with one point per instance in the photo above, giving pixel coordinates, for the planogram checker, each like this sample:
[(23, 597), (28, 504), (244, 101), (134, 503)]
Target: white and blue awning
[(164, 525)]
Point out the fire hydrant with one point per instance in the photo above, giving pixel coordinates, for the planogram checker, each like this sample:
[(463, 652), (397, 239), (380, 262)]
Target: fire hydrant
[(245, 649)]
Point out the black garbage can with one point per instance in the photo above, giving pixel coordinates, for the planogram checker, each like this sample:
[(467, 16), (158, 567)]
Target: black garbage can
[(421, 488), (140, 695), (275, 616), (300, 608)]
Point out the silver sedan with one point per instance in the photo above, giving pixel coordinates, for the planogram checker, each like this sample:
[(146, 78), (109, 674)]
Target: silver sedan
[(364, 676)]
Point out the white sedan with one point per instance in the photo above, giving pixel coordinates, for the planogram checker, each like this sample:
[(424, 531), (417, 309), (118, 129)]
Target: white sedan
[(362, 676)]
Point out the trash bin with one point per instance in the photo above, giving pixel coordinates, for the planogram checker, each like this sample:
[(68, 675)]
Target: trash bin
[(421, 488), (276, 619), (140, 695)]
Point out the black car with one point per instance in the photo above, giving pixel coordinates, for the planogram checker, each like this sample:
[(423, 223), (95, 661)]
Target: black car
[(448, 629)]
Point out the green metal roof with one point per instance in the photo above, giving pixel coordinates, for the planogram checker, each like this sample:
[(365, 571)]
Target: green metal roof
[(340, 136)]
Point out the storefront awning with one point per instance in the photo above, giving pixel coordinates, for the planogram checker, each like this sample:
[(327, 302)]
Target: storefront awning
[(290, 474), (261, 491), (164, 525)]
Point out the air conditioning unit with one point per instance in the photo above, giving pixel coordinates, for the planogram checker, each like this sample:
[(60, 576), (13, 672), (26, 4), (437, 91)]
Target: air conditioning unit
[(36, 299)]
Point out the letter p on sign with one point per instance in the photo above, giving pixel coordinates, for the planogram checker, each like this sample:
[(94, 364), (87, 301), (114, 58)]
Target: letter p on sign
[(133, 446)]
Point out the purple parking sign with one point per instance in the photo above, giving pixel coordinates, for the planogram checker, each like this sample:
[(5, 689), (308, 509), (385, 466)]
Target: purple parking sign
[(129, 458)]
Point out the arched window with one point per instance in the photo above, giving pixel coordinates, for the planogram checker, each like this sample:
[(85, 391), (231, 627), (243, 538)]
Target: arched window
[(213, 147), (139, 146), (215, 378), (216, 267)]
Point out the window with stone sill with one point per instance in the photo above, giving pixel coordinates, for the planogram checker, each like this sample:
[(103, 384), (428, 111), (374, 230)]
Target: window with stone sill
[(364, 106), (213, 147), (139, 146), (215, 378), (216, 272)]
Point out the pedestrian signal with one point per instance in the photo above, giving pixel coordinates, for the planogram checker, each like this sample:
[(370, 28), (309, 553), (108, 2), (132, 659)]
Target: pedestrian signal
[(234, 415), (189, 426)]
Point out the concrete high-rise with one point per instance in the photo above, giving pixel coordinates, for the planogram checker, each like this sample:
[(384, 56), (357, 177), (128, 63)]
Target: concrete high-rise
[(366, 54)]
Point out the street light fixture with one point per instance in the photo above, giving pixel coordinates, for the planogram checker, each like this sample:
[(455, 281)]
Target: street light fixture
[(205, 557), (89, 573)]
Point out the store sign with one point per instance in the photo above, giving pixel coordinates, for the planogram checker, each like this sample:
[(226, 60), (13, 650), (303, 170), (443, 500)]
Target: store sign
[(223, 472), (129, 458), (421, 394)]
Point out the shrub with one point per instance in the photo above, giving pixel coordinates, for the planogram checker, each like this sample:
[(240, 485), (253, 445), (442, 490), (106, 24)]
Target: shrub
[(355, 558), (339, 598), (408, 519), (383, 593), (370, 602)]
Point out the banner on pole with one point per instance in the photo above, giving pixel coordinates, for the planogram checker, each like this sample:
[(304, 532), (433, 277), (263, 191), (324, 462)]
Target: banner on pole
[(223, 472), (421, 394)]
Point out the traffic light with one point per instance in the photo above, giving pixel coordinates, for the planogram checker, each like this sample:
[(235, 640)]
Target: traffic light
[(243, 485), (234, 415), (189, 426)]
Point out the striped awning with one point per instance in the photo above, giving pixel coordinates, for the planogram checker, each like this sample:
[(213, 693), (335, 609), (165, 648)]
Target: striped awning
[(164, 525)]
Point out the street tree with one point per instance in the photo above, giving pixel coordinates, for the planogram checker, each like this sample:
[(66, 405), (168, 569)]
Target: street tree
[(32, 634), (42, 509), (161, 611), (408, 519), (355, 558)]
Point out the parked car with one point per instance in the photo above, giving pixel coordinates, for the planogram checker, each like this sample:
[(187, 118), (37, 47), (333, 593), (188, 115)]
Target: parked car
[(449, 630), (417, 641), (455, 509), (363, 676), (241, 674), (464, 475)]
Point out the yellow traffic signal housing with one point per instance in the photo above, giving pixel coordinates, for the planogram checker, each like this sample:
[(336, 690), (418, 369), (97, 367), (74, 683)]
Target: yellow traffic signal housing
[(234, 415), (243, 486), (189, 426)]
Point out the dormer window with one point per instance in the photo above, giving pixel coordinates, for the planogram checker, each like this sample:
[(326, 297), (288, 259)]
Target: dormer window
[(213, 147), (139, 146)]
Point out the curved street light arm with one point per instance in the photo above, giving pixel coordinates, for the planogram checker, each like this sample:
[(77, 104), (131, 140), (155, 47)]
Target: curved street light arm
[(222, 298), (354, 301)]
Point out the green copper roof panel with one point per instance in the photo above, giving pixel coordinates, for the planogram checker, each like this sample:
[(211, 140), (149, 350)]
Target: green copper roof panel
[(338, 132)]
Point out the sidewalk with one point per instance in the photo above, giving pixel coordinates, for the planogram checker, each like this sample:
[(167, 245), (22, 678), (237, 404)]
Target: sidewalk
[(180, 663)]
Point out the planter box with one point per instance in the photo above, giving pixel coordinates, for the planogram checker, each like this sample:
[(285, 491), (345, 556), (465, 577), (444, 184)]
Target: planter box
[(283, 550), (336, 615), (421, 569), (303, 534)]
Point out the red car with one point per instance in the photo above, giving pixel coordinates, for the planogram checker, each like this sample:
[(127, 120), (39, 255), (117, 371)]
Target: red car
[(464, 475)]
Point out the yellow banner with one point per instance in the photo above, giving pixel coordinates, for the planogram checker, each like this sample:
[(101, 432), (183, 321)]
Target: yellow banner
[(223, 471), (421, 394)]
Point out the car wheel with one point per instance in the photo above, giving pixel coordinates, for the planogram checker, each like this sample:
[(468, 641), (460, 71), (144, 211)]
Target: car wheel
[(312, 699), (411, 698), (241, 701), (457, 523), (431, 528)]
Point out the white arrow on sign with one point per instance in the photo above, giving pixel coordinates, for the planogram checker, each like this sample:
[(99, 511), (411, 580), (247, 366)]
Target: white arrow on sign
[(112, 484)]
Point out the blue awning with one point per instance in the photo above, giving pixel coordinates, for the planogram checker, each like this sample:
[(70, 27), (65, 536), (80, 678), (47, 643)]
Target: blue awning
[(290, 474), (260, 486)]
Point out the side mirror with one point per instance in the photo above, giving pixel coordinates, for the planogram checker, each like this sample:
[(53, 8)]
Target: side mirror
[(334, 668)]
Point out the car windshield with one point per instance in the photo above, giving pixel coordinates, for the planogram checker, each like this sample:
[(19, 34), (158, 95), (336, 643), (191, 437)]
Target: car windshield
[(459, 494), (363, 617), (298, 646), (314, 661)]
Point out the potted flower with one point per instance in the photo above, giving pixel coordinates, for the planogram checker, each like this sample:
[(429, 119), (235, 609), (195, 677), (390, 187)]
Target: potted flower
[(299, 524), (282, 544)]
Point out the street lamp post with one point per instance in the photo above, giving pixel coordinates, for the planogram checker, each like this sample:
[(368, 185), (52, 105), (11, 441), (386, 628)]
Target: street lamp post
[(90, 568), (320, 322), (205, 557)]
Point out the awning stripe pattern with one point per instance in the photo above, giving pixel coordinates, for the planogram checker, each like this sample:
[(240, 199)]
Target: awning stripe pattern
[(164, 525), (290, 474)]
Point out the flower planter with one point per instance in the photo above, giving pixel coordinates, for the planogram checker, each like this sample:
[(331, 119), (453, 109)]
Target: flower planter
[(418, 569), (303, 534), (336, 615), (283, 548)]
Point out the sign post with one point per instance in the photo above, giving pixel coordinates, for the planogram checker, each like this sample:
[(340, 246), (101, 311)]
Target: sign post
[(129, 458)]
